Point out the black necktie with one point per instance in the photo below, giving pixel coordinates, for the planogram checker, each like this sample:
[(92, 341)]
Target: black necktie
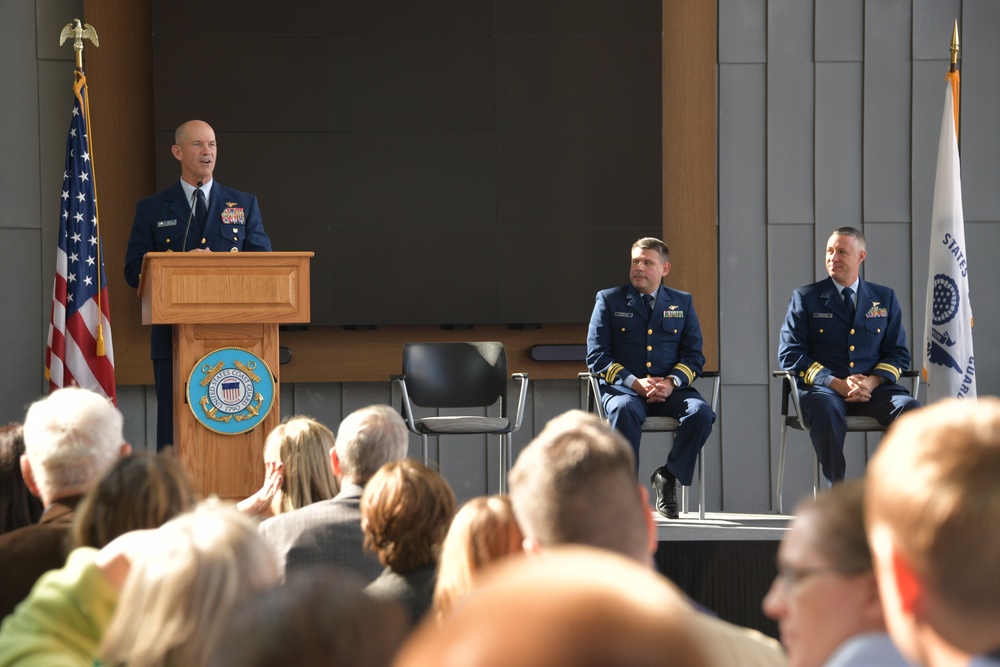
[(648, 300), (849, 302), (201, 211)]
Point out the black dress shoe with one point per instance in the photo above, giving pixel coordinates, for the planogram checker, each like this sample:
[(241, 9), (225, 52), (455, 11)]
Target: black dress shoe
[(665, 486)]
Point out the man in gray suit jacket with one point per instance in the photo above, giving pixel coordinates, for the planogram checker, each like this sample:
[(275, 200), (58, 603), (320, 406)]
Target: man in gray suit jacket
[(329, 532)]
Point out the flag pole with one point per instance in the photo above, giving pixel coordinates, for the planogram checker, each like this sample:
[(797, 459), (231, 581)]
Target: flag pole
[(79, 32), (953, 75)]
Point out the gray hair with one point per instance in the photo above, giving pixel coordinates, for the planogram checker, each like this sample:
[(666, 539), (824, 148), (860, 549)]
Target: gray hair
[(71, 437), (853, 232), (368, 439)]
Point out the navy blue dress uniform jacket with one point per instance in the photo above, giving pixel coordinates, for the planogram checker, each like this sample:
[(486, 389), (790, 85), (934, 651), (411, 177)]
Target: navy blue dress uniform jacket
[(818, 341), (233, 224), (623, 340)]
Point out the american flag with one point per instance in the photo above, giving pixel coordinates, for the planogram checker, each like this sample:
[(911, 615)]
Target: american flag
[(79, 344)]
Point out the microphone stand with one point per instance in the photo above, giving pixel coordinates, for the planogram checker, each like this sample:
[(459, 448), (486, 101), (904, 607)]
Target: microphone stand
[(194, 202)]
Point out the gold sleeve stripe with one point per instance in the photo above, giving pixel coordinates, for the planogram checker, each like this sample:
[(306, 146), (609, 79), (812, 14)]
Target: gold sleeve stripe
[(611, 374), (812, 372), (889, 368), (688, 373)]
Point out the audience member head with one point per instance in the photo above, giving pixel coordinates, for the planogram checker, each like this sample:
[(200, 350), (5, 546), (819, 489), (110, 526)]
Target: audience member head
[(366, 440), (18, 506), (302, 446), (320, 617), (825, 592), (405, 512), (71, 437), (138, 491), (483, 531), (575, 484), (192, 572), (932, 506), (552, 611)]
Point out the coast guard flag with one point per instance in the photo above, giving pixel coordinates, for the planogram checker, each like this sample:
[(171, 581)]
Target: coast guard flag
[(949, 365), (79, 344)]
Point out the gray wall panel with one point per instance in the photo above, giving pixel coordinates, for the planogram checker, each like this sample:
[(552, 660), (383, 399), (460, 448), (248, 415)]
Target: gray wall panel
[(982, 239), (19, 109), (927, 106), (742, 224), (790, 265), (790, 112), (839, 175), (22, 340), (888, 263), (840, 26), (132, 403), (742, 31), (887, 111), (980, 132), (746, 471), (933, 21)]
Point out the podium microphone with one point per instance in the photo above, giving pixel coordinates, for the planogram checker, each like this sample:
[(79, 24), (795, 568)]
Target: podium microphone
[(194, 202)]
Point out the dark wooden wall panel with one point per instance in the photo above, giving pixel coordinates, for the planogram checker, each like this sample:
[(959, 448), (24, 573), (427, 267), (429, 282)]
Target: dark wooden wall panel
[(256, 90)]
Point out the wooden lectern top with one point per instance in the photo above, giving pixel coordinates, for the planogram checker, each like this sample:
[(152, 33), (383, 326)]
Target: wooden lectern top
[(214, 287)]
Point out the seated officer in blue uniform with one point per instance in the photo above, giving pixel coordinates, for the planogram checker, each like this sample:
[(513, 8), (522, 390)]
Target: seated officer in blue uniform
[(645, 344), (221, 220), (843, 339)]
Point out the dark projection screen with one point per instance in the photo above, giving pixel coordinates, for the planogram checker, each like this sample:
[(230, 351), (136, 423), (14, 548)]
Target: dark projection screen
[(448, 161)]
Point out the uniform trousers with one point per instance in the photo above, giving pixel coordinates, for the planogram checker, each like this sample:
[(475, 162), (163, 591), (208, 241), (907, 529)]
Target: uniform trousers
[(826, 412), (627, 413)]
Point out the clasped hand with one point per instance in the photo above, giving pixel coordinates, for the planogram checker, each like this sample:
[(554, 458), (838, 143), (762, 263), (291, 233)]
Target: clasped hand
[(857, 388), (655, 389)]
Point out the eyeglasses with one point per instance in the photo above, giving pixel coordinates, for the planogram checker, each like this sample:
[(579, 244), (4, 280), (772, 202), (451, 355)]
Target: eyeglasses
[(790, 576)]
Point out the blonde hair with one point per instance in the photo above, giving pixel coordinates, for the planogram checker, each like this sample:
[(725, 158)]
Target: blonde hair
[(483, 531), (302, 444), (933, 485), (180, 591)]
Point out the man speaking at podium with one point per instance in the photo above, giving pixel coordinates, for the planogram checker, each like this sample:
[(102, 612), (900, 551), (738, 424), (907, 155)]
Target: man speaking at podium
[(195, 214)]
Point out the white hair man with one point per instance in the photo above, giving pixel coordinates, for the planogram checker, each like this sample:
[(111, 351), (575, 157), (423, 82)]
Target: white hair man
[(71, 437), (328, 532)]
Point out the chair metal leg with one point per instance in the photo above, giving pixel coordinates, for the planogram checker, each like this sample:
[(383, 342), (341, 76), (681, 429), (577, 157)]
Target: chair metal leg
[(701, 486), (423, 440), (815, 474), (781, 469)]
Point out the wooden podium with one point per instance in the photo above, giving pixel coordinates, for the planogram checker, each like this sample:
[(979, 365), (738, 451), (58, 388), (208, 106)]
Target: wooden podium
[(219, 300)]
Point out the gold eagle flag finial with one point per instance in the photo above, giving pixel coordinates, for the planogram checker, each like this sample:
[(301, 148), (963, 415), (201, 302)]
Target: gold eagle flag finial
[(79, 32)]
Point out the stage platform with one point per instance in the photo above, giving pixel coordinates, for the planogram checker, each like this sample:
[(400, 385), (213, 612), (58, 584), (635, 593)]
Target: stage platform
[(722, 526), (725, 563)]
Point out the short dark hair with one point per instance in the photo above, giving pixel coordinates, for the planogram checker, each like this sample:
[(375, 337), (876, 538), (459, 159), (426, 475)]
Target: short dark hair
[(650, 243)]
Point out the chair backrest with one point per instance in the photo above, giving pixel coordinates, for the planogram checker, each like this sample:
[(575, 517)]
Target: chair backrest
[(456, 375)]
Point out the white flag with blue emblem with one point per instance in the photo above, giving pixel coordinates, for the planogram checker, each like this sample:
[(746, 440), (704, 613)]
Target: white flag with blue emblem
[(949, 365)]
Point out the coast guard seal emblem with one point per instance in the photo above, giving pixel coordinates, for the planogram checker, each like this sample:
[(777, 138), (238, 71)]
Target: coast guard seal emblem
[(230, 390)]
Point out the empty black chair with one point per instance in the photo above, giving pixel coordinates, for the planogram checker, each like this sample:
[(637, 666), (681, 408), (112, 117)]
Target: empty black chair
[(460, 375)]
